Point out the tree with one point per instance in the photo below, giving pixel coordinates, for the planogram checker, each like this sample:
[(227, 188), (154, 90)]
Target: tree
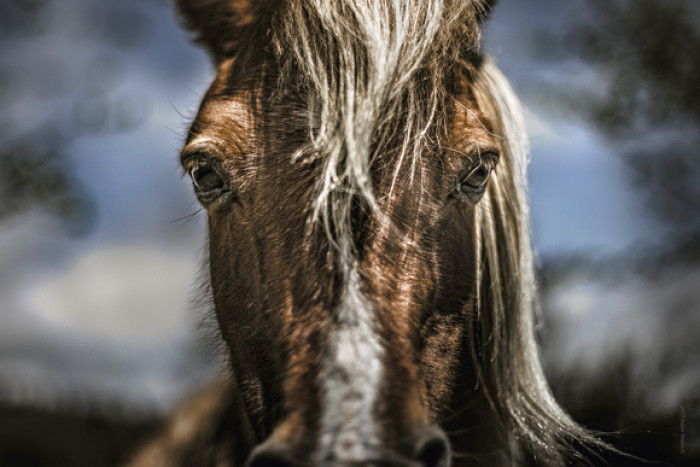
[(646, 103)]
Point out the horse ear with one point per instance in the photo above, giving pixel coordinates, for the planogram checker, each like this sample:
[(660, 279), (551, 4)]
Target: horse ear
[(223, 27)]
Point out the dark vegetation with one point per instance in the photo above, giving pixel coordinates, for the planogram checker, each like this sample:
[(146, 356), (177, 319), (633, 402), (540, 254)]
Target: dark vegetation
[(647, 51), (33, 437), (644, 100), (43, 108)]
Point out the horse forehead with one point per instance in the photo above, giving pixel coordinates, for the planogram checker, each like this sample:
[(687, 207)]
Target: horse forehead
[(469, 123), (222, 118), (225, 113), (223, 108)]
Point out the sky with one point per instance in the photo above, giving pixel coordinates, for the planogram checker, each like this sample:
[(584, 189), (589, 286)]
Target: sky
[(110, 315)]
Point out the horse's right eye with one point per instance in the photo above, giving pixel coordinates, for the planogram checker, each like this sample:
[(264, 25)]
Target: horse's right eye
[(208, 181)]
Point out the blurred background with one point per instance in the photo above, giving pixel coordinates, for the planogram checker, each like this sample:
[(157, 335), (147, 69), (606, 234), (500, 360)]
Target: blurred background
[(101, 240)]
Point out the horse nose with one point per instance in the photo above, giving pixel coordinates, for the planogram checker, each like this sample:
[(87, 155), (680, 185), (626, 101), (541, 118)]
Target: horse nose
[(431, 450), (273, 455)]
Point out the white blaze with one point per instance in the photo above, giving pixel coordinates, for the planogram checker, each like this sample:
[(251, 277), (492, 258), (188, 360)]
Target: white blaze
[(351, 377)]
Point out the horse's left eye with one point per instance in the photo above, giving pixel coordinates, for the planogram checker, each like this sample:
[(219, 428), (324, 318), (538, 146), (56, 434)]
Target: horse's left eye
[(472, 184), (477, 178), (209, 184)]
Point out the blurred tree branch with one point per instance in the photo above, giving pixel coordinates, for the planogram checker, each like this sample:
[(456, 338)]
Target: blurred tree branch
[(644, 99), (51, 94)]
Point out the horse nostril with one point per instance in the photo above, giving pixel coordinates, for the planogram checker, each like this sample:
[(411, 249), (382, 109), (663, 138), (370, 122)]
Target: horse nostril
[(269, 455), (433, 449)]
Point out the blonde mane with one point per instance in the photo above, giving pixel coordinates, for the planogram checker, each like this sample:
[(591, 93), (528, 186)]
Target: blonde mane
[(509, 367)]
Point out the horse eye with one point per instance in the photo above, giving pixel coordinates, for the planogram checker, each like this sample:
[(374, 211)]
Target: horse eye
[(208, 182), (477, 178), (473, 183)]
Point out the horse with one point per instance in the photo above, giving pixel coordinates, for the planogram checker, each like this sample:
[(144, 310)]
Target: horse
[(362, 165)]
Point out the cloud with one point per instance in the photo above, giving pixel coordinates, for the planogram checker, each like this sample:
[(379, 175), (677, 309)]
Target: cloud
[(122, 295), (650, 327), (108, 329)]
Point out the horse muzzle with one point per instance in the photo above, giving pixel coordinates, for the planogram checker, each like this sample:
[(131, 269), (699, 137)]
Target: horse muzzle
[(431, 449)]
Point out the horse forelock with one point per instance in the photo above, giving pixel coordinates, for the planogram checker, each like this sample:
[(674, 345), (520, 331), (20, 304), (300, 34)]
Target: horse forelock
[(378, 75)]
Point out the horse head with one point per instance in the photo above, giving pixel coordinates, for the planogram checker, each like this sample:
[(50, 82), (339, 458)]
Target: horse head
[(362, 168)]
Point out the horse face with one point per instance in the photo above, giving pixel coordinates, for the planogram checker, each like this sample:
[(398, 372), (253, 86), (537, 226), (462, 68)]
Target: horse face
[(345, 342), (367, 293), (335, 365)]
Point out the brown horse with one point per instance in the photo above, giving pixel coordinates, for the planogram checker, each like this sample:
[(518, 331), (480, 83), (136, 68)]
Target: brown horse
[(362, 166)]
